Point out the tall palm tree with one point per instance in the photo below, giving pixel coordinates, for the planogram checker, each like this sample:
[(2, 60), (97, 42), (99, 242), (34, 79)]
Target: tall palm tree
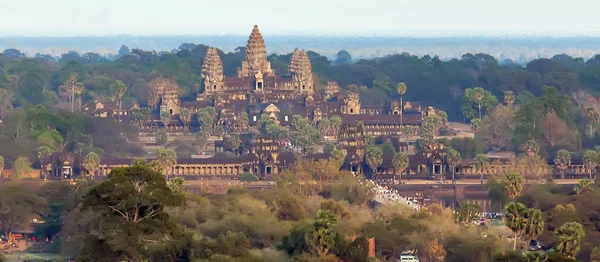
[(509, 98), (453, 159), (482, 164), (514, 218), (591, 158), (186, 116), (562, 161), (401, 89), (400, 163), (568, 238), (165, 118), (514, 185), (79, 87), (590, 116), (534, 225), (479, 98), (373, 157), (91, 163), (167, 159)]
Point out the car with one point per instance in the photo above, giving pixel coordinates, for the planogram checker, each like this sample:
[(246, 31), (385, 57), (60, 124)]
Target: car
[(535, 245)]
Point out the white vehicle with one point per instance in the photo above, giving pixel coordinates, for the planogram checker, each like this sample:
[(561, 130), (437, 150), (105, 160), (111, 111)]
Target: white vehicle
[(406, 258)]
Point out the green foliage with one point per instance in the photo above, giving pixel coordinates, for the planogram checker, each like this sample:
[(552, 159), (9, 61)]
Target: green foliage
[(568, 238), (304, 135), (132, 200), (161, 137), (91, 163), (20, 168), (248, 177), (17, 207), (400, 162), (476, 97), (373, 156)]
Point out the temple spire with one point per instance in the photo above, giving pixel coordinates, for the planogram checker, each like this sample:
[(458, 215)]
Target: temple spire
[(256, 56), (212, 71)]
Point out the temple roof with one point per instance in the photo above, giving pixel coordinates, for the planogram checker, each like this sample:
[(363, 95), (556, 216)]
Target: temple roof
[(212, 67)]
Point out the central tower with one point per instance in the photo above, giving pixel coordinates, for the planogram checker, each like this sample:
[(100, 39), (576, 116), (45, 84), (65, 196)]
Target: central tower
[(256, 57)]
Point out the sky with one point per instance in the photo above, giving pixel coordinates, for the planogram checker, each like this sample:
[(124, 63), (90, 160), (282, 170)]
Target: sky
[(418, 18)]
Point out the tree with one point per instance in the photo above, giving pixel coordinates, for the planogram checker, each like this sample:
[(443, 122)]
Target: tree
[(165, 118), (20, 167), (514, 185), (475, 124), (556, 131), (130, 207), (91, 163), (509, 98), (167, 159), (591, 159), (140, 161), (186, 117), (595, 256), (401, 90), (161, 137), (514, 218), (373, 157), (206, 118), (453, 159), (497, 129), (400, 163), (338, 156), (233, 142), (304, 136), (477, 100), (119, 88), (17, 207), (562, 161), (534, 223), (584, 185), (6, 102), (43, 152), (79, 88), (568, 238), (202, 138), (466, 212), (324, 232), (176, 185), (482, 164)]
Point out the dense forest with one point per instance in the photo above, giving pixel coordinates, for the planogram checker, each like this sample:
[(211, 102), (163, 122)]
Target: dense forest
[(560, 91)]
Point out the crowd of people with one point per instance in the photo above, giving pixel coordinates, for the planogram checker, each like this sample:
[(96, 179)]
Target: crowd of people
[(389, 196)]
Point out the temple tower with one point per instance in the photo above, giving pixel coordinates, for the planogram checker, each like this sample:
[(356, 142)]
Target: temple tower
[(301, 71), (351, 104), (256, 56), (212, 71)]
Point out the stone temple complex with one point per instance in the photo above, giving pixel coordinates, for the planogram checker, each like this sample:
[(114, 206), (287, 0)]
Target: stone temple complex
[(258, 91)]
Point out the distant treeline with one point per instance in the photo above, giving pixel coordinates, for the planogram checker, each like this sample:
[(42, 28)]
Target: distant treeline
[(520, 50)]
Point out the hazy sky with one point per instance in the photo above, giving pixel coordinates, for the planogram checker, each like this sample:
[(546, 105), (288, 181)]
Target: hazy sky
[(311, 17)]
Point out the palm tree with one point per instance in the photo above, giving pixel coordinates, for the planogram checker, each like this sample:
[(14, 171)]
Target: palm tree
[(324, 126), (91, 163), (482, 164), (531, 148), (373, 157), (591, 158), (400, 163), (165, 118), (514, 184), (167, 159), (79, 87), (562, 161), (583, 186), (590, 116), (401, 89), (568, 238), (514, 218), (186, 116), (453, 159), (475, 124), (534, 225), (1, 166), (509, 98), (479, 97)]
